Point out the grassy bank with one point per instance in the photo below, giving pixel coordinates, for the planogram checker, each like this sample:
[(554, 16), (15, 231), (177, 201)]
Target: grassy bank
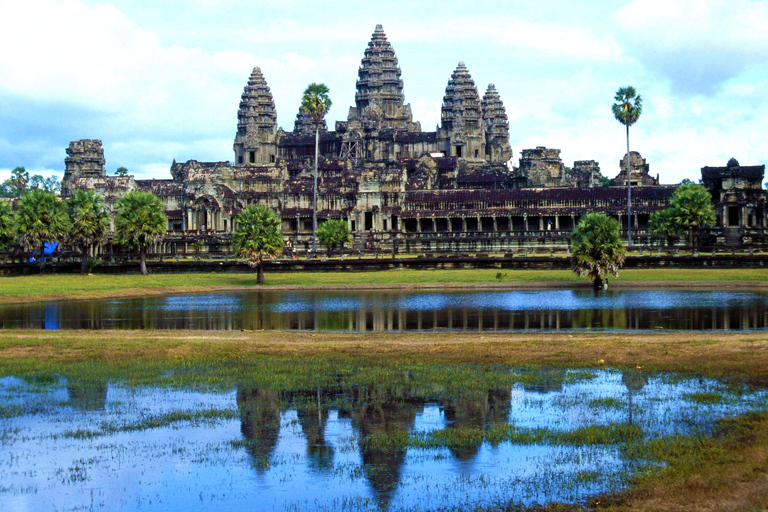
[(725, 355), (58, 287)]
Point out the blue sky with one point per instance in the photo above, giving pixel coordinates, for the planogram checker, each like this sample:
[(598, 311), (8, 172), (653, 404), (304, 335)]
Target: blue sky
[(157, 81)]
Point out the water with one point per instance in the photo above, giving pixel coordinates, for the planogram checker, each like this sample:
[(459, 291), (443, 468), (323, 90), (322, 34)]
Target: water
[(407, 311), (80, 445)]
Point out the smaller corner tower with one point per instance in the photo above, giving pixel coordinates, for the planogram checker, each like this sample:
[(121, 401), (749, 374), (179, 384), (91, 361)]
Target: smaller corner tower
[(461, 133), (256, 139), (496, 124)]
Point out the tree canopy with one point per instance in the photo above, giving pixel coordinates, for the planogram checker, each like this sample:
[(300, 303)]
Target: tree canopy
[(663, 224), (332, 232), (693, 210), (596, 248), (628, 106), (41, 218), (257, 236), (90, 222), (7, 224), (121, 171), (316, 101), (140, 221)]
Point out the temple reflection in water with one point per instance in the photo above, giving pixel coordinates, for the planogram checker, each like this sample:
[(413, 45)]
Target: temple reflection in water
[(384, 311)]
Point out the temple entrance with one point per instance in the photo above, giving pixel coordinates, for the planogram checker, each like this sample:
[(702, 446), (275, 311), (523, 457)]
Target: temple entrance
[(733, 216)]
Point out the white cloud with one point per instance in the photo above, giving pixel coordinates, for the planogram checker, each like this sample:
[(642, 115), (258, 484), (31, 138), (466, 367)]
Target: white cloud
[(696, 44)]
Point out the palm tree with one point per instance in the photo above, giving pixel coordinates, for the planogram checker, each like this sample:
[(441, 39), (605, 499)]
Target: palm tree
[(7, 225), (90, 222), (627, 110), (693, 209), (664, 224), (140, 221), (41, 218), (596, 248), (316, 103), (257, 236), (333, 232)]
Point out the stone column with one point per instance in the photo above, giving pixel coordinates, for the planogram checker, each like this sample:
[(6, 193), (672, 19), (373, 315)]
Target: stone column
[(557, 222), (495, 224), (463, 224), (525, 221)]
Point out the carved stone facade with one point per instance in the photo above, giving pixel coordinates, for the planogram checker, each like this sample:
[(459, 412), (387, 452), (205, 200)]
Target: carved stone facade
[(398, 187), (638, 169), (738, 194)]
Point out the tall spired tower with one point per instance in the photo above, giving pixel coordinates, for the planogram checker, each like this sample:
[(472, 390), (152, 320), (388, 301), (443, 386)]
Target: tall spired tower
[(379, 97), (496, 124), (461, 133), (256, 139)]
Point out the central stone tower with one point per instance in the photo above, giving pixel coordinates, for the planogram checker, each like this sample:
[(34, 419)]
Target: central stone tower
[(379, 100)]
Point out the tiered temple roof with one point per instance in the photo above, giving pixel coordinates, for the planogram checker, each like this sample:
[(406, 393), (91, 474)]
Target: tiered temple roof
[(257, 107), (305, 125), (379, 97), (496, 125), (461, 103)]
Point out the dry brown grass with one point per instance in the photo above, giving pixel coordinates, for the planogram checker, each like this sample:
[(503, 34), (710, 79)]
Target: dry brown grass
[(716, 354)]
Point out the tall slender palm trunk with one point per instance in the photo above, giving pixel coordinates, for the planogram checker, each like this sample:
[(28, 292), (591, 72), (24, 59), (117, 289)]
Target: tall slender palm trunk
[(629, 197), (314, 191)]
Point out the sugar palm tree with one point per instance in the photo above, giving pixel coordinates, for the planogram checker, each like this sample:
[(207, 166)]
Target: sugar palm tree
[(316, 102), (692, 206), (7, 224), (257, 236), (333, 232), (664, 224), (41, 218), (140, 221), (627, 110), (596, 248), (90, 222)]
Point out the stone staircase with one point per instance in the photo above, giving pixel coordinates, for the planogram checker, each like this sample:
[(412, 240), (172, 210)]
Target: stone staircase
[(732, 237)]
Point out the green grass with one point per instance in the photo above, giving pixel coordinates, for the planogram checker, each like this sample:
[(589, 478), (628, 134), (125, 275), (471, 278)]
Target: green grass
[(25, 288)]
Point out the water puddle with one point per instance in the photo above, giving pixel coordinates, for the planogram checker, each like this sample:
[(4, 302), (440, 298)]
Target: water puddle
[(395, 441)]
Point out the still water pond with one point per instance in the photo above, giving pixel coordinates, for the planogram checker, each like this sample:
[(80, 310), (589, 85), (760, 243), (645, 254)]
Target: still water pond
[(402, 442), (407, 311)]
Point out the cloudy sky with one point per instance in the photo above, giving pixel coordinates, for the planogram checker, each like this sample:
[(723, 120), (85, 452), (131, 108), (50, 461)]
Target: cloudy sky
[(157, 81)]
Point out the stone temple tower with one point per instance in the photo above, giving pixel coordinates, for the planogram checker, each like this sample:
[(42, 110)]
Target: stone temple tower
[(85, 159), (496, 124), (461, 133), (379, 97), (256, 139)]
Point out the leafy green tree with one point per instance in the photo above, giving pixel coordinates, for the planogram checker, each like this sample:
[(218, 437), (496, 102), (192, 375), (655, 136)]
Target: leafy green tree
[(90, 222), (333, 232), (7, 225), (121, 171), (693, 209), (627, 110), (686, 181), (50, 184), (663, 224), (16, 184), (41, 218), (316, 102), (257, 236), (140, 221), (596, 248)]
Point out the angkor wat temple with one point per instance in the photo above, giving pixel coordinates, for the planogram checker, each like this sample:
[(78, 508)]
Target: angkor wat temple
[(404, 189)]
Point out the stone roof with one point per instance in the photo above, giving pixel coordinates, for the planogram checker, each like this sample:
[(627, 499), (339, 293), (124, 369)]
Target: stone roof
[(305, 125), (257, 107), (461, 103)]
